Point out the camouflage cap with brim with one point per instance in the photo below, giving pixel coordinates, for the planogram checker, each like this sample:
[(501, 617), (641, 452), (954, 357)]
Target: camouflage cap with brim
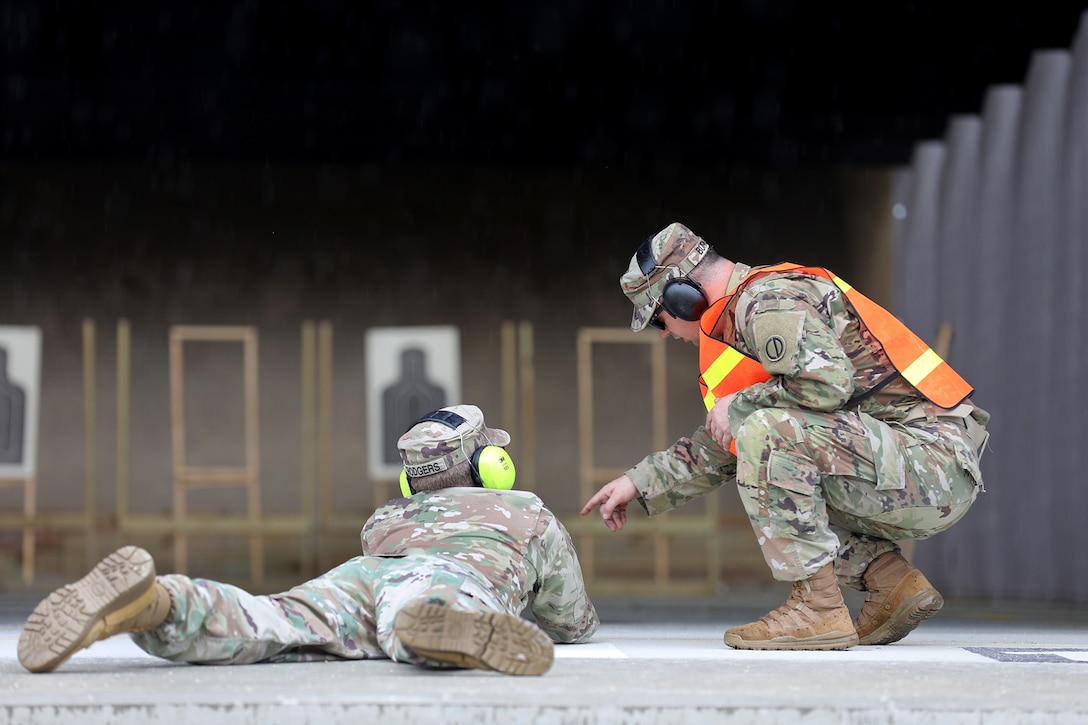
[(446, 437), (676, 250)]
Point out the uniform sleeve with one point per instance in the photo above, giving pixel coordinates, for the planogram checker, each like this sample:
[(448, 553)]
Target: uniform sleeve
[(786, 324), (560, 603), (690, 468)]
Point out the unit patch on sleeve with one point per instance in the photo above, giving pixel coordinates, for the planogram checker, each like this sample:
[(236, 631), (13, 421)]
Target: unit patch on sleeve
[(778, 337)]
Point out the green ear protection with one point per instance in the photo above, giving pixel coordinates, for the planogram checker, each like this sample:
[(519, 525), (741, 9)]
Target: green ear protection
[(490, 466)]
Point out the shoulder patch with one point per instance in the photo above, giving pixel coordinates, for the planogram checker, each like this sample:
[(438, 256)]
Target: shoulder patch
[(777, 339)]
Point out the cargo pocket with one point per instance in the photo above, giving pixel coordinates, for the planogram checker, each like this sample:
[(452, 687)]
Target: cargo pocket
[(977, 434), (790, 492), (887, 441), (968, 461)]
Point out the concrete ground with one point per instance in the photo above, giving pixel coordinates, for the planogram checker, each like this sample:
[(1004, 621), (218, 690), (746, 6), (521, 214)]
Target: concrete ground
[(651, 662)]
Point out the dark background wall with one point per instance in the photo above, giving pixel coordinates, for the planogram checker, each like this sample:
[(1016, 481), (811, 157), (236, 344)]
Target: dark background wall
[(647, 87)]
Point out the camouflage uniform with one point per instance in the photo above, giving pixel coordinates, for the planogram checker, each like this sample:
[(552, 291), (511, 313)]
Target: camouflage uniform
[(468, 548), (825, 473)]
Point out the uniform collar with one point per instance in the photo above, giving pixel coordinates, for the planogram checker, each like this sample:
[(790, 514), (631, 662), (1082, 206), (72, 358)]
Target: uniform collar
[(740, 271)]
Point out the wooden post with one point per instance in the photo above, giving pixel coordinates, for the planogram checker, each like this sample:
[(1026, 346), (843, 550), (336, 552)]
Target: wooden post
[(90, 458), (123, 426), (527, 395), (307, 454)]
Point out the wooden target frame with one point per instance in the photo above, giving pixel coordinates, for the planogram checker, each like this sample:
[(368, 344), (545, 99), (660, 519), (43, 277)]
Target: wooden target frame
[(660, 529), (188, 477)]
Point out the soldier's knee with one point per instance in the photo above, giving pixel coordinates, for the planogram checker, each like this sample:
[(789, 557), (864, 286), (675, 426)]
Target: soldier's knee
[(775, 428)]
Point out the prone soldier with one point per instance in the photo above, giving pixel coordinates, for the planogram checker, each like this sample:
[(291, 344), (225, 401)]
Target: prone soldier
[(444, 576)]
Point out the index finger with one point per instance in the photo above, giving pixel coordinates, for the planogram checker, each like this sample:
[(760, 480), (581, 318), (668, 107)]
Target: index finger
[(596, 500)]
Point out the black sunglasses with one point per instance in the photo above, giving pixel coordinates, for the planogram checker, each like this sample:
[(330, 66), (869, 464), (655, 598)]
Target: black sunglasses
[(655, 319)]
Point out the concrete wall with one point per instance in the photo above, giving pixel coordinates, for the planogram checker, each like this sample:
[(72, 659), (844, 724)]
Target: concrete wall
[(992, 242)]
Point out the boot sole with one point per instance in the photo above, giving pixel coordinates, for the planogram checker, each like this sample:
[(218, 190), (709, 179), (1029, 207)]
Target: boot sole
[(829, 641), (77, 615), (909, 614), (478, 640)]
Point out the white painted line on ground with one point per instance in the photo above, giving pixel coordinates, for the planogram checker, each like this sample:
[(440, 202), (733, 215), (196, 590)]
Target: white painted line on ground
[(699, 645), (589, 651)]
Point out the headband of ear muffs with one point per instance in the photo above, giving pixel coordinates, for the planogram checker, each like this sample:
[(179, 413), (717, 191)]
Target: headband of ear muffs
[(682, 297), (490, 466)]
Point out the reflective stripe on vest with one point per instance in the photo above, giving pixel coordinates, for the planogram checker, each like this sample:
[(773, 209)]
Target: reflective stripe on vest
[(726, 370), (727, 363)]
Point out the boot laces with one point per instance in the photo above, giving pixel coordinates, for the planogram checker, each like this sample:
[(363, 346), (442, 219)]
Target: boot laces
[(795, 605)]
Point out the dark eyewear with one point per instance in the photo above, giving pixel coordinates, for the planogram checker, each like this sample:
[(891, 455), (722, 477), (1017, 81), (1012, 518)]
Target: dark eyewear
[(656, 321)]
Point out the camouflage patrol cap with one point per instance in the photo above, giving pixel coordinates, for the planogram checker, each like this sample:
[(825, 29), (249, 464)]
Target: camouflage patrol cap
[(673, 252), (446, 437)]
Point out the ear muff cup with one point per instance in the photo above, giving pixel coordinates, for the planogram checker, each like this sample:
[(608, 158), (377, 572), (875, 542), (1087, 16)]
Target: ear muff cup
[(492, 467), (684, 299)]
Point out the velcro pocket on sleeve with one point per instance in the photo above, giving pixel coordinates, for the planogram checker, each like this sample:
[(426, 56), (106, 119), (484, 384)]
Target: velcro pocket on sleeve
[(777, 340)]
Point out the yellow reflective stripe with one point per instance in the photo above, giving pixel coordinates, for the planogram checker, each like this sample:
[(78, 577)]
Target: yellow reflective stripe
[(926, 363), (709, 399), (721, 367), (841, 283)]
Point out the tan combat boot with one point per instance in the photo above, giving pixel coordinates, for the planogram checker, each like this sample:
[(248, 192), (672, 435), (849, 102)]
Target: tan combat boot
[(120, 594), (813, 617), (898, 598), (479, 640)]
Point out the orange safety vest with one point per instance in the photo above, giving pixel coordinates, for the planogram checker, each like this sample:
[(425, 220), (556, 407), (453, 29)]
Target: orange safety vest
[(725, 370)]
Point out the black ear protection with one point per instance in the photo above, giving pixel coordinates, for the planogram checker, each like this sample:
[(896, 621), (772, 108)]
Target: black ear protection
[(490, 466), (682, 297)]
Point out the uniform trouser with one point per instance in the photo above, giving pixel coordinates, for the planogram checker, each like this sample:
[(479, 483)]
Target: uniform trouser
[(832, 487), (346, 613)]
